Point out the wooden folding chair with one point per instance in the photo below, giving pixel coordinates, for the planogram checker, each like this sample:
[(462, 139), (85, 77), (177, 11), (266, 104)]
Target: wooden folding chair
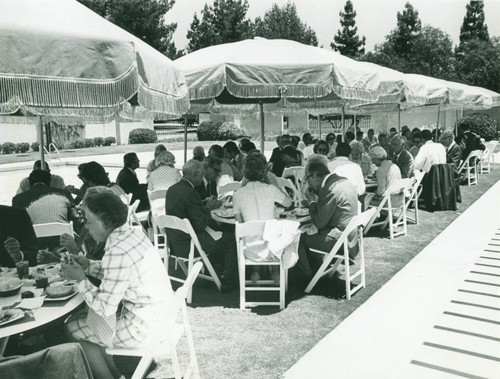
[(157, 208), (172, 332), (51, 229), (340, 253), (412, 199), (250, 229), (186, 264), (400, 188), (469, 167)]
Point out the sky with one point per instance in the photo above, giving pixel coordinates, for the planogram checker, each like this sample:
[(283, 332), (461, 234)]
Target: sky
[(375, 18)]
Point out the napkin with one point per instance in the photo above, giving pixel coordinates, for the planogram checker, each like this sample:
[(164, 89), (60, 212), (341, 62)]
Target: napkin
[(32, 303)]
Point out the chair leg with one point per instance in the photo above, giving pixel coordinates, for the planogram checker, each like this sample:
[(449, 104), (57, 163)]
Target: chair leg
[(242, 284), (142, 367), (193, 362), (347, 276), (282, 287)]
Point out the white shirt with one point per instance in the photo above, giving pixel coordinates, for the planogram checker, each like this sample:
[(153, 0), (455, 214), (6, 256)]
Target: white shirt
[(342, 166), (430, 154), (255, 201), (308, 151)]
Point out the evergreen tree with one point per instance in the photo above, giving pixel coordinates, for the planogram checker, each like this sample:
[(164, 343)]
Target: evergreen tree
[(473, 26), (222, 22), (408, 27), (347, 41), (284, 23), (145, 19)]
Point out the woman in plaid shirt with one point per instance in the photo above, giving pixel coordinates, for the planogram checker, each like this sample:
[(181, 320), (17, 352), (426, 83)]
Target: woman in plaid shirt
[(127, 309)]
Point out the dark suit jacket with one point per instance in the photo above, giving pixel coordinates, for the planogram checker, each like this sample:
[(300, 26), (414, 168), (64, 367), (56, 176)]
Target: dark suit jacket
[(16, 223), (469, 141), (454, 155), (288, 156), (204, 192), (406, 164), (439, 188)]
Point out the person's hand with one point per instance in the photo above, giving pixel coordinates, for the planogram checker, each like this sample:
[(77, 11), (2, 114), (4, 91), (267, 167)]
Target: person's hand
[(305, 203), (72, 272), (82, 261), (69, 243), (46, 256), (213, 204), (13, 248), (70, 188)]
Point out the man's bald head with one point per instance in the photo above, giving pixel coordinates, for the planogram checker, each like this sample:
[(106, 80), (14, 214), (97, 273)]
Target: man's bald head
[(397, 144), (193, 171)]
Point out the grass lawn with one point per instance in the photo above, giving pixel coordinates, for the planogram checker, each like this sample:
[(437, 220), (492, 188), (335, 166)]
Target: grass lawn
[(263, 342)]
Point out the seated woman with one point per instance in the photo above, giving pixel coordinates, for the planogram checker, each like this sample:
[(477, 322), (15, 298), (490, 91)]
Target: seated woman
[(165, 173), (321, 147), (386, 174), (132, 301), (152, 164), (359, 156)]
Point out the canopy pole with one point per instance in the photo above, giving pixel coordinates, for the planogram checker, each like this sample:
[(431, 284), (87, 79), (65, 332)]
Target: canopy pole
[(399, 118), (343, 123), (437, 123), (185, 137), (319, 124), (118, 129), (42, 146), (261, 111)]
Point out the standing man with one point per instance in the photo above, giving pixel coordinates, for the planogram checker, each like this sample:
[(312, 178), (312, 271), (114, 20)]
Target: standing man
[(127, 180), (337, 203), (402, 158)]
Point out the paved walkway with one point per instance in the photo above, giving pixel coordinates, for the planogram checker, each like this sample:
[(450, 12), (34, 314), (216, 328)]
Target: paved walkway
[(439, 317)]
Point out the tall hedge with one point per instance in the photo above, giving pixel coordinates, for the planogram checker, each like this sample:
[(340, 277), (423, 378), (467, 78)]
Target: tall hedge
[(482, 124)]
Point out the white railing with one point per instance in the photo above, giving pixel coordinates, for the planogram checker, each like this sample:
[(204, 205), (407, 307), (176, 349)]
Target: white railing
[(52, 149)]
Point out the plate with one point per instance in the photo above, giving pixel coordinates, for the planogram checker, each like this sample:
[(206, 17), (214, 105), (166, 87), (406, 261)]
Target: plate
[(16, 315), (224, 214), (301, 212), (61, 298), (14, 288)]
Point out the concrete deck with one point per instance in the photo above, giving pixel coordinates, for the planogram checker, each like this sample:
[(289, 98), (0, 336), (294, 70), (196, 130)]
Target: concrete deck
[(439, 317)]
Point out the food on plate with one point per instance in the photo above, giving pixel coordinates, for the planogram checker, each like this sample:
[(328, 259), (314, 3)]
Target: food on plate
[(58, 291), (301, 211), (9, 284)]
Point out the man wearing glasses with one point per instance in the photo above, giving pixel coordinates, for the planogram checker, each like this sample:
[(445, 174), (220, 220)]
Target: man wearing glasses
[(332, 202)]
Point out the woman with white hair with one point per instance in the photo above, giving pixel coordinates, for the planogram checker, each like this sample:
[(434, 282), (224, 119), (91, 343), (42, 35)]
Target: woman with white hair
[(387, 171), (165, 174), (359, 156)]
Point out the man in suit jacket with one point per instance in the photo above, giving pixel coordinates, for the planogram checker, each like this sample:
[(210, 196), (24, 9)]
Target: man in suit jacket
[(208, 187), (183, 201), (127, 180), (17, 238), (469, 141), (453, 150), (402, 158), (336, 205), (287, 157)]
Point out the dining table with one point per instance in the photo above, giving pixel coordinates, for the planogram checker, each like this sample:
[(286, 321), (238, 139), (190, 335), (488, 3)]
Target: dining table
[(28, 319), (225, 214)]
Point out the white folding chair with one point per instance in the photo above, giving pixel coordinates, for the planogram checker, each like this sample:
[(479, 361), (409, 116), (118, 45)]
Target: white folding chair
[(250, 229), (172, 332), (492, 147), (298, 172), (183, 225), (285, 184), (469, 167), (488, 157), (340, 253), (412, 199), (53, 229), (157, 208), (398, 191), (228, 189)]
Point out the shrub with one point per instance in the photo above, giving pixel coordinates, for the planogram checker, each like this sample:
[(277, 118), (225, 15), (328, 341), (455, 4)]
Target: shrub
[(35, 146), (98, 141), (8, 147), (22, 147), (108, 141), (89, 142), (229, 130), (482, 124), (208, 130), (142, 135), (77, 144)]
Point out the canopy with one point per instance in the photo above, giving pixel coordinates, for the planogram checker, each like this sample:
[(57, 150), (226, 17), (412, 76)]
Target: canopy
[(59, 58)]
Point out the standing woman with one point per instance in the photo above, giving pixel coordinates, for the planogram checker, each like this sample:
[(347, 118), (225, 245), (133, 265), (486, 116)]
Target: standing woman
[(129, 306)]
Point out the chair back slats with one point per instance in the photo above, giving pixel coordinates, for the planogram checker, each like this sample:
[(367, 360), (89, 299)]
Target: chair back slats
[(228, 187), (53, 229), (172, 222), (250, 228)]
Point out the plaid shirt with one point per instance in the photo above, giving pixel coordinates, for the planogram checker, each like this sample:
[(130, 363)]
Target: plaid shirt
[(132, 274)]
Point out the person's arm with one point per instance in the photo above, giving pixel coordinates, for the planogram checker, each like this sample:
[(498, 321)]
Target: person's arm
[(322, 211), (198, 215), (381, 182), (420, 159)]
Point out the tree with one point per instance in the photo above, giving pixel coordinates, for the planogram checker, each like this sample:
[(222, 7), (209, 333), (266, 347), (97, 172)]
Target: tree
[(347, 41), (408, 27), (284, 23), (224, 21), (473, 26), (145, 19)]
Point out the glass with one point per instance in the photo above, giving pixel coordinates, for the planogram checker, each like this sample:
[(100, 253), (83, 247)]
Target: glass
[(23, 269)]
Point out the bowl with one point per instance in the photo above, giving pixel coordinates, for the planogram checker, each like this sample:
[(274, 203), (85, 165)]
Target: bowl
[(10, 287), (301, 212)]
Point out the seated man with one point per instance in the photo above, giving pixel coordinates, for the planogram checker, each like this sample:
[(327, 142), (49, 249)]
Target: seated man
[(337, 203), (235, 159), (226, 174), (386, 174), (208, 188), (183, 201), (469, 141), (17, 238), (55, 180), (199, 153), (402, 158), (430, 153), (342, 166), (453, 150), (288, 156), (127, 179)]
